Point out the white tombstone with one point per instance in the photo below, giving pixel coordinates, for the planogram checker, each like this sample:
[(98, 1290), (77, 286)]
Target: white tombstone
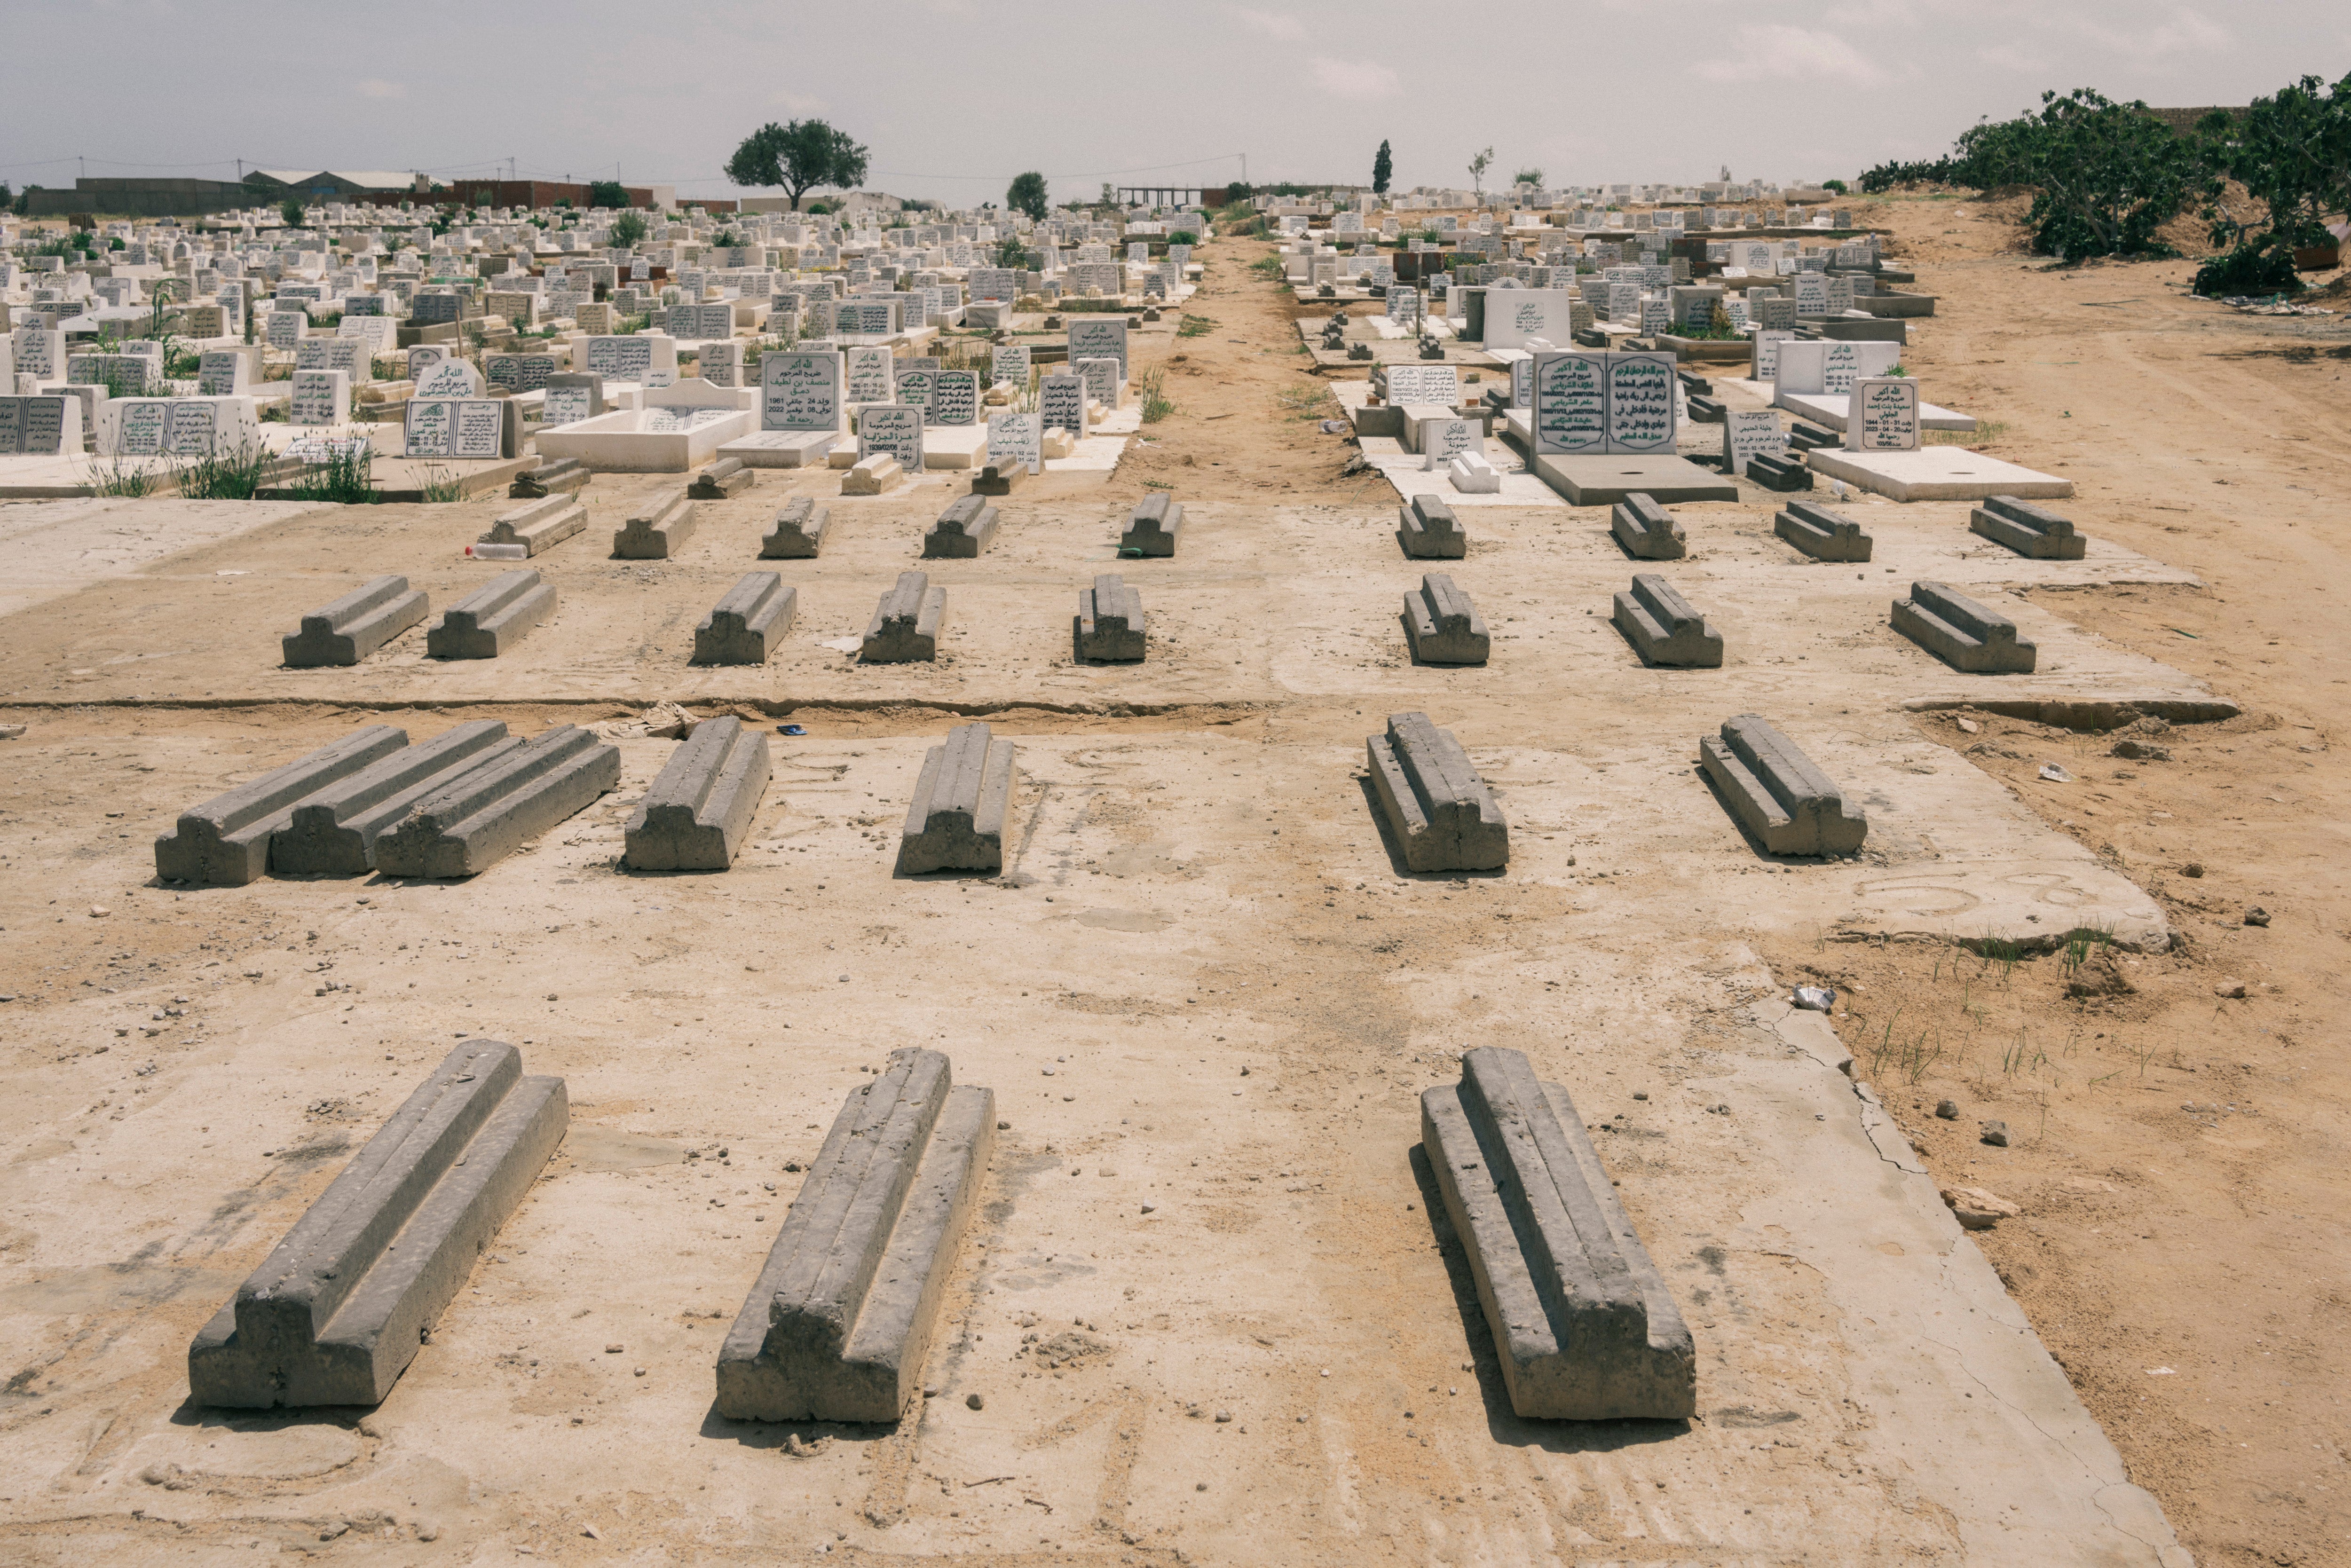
[(802, 390), (1100, 338), (1443, 440), (1749, 432), (894, 429), (449, 379), (873, 375), (1061, 403), (319, 398), (223, 373), (649, 358), (1015, 438), (1882, 415)]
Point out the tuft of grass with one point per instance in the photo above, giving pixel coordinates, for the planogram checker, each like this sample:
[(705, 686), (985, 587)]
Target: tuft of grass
[(442, 487), (1155, 403), (226, 475), (1196, 326), (117, 477), (1986, 432), (1268, 267), (346, 478)]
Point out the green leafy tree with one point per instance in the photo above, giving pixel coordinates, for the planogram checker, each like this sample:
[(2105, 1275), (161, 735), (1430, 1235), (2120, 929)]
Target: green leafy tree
[(1383, 169), (1478, 167), (2104, 175), (1528, 177), (608, 194), (291, 210), (2291, 151), (1026, 195), (628, 229), (797, 158)]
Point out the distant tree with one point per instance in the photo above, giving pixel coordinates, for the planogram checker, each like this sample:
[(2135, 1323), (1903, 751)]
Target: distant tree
[(628, 229), (797, 158), (24, 202), (1478, 167), (291, 210), (1026, 195), (1382, 169), (608, 194), (8, 196), (1528, 177), (1839, 186)]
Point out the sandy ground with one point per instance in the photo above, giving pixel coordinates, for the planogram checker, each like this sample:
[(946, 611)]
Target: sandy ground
[(1205, 985)]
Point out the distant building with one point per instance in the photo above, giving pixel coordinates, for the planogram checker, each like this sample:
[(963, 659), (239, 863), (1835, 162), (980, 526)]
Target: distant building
[(335, 185), (2183, 120)]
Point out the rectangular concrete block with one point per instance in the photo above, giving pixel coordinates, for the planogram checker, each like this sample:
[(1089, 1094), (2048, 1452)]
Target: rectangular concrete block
[(1664, 629), (874, 475), (1442, 625), (1962, 632), (956, 821), (840, 1323), (334, 831), (744, 627), (1583, 1325), (489, 813), (1153, 526), (963, 531), (1000, 478), (2032, 532), (694, 816), (540, 525), (1780, 471), (1442, 813), (557, 476), (347, 630), (906, 625), (799, 533), (1821, 534), (1110, 621), (1646, 530), (1777, 795), (659, 532), (338, 1310), (1472, 474), (225, 842), (492, 619), (728, 476), (1427, 529)]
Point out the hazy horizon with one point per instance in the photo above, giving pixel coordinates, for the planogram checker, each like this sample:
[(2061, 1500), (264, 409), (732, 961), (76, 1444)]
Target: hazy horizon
[(956, 98)]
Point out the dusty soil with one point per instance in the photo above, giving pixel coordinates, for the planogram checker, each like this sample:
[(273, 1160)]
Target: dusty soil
[(1207, 943), (2180, 1153)]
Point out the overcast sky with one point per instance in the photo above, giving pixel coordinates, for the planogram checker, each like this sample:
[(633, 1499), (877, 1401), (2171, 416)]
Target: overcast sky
[(953, 97)]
